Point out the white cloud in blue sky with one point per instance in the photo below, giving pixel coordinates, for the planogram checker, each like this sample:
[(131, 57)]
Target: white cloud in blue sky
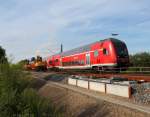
[(27, 26)]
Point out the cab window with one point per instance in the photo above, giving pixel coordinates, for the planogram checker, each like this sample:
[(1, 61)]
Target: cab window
[(105, 51)]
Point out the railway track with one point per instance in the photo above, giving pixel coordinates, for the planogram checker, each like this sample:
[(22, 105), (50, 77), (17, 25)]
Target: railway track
[(134, 76), (128, 76)]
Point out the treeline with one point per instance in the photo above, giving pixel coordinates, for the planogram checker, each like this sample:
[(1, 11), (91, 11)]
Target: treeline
[(140, 59), (3, 58), (17, 96)]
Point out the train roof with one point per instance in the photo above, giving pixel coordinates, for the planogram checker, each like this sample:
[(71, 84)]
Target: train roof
[(84, 48), (81, 49)]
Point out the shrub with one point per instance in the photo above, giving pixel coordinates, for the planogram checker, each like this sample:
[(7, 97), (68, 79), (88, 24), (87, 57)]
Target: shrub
[(140, 59), (3, 58), (18, 99)]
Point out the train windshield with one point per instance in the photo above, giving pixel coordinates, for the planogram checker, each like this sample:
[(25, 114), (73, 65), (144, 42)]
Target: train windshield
[(121, 49)]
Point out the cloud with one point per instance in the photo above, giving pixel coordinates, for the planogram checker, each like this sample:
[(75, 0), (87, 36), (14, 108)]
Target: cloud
[(28, 26)]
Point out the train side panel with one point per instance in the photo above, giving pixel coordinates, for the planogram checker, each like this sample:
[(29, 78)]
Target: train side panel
[(101, 54), (76, 61)]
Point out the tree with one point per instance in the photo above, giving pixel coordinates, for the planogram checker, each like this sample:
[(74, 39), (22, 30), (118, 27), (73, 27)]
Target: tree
[(21, 63), (140, 59), (3, 57)]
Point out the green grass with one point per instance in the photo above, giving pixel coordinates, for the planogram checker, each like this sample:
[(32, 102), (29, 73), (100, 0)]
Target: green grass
[(17, 98)]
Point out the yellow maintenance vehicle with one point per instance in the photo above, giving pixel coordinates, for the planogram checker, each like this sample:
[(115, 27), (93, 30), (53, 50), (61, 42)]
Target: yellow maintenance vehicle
[(36, 64)]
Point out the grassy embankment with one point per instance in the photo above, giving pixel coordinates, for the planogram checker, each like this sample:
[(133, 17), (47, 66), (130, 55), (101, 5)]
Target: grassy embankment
[(18, 98)]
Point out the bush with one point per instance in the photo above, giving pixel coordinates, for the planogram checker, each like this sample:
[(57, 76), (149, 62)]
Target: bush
[(12, 84), (140, 59), (18, 99), (3, 58)]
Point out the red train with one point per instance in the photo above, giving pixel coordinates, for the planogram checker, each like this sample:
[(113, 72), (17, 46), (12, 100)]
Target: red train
[(106, 54)]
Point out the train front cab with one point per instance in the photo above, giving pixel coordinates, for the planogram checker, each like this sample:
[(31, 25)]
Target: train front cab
[(109, 54), (121, 53), (103, 58)]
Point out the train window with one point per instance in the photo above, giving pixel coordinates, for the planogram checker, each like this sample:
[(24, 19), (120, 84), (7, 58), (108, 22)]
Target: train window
[(56, 60), (50, 62), (79, 62), (95, 53), (66, 63), (82, 62), (73, 62), (69, 63), (121, 49), (105, 51)]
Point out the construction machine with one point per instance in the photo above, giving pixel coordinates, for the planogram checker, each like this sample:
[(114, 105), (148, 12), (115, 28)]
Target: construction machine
[(36, 64)]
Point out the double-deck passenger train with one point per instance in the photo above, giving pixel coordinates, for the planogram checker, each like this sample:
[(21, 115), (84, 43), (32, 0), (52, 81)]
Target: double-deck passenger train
[(107, 54)]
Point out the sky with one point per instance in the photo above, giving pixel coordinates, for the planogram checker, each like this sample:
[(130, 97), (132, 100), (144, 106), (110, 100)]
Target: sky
[(32, 27)]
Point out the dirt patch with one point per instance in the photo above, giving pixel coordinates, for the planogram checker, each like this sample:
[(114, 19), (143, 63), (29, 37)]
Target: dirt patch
[(72, 103), (77, 105)]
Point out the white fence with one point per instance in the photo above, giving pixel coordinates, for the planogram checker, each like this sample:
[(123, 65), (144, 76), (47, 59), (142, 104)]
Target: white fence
[(97, 86), (120, 90), (115, 89), (72, 81), (83, 83)]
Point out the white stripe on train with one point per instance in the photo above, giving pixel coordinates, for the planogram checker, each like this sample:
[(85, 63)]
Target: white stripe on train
[(85, 66)]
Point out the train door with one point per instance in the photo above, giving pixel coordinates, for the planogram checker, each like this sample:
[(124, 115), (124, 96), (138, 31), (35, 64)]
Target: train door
[(60, 61), (88, 59)]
